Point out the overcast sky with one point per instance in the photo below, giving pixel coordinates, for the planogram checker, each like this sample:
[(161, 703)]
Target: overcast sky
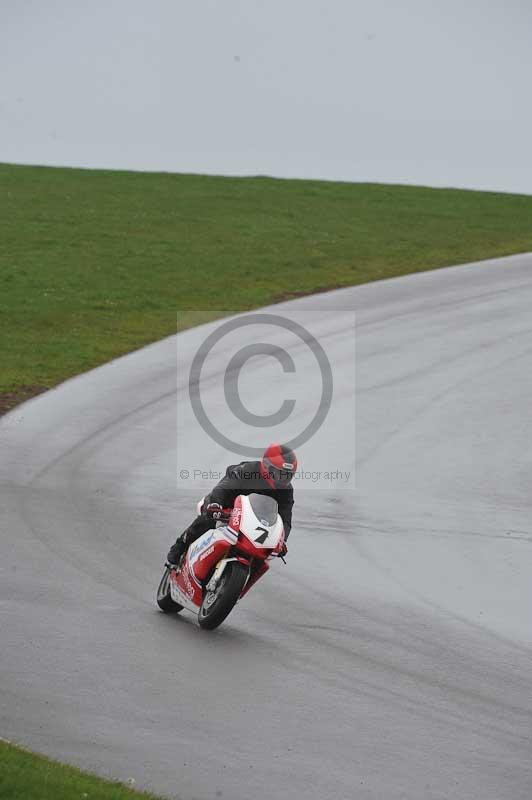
[(416, 91)]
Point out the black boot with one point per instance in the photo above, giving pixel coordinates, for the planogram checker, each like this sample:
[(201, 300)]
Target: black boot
[(189, 535), (176, 552)]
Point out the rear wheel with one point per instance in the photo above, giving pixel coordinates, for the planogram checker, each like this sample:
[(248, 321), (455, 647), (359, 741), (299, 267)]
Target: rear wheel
[(217, 604), (164, 598)]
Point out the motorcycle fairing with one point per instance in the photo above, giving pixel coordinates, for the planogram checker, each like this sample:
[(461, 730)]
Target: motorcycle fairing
[(205, 553), (260, 532), (202, 556), (184, 589)]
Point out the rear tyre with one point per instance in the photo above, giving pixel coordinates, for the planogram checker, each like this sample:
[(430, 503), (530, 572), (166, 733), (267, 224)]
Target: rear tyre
[(217, 605), (164, 598)]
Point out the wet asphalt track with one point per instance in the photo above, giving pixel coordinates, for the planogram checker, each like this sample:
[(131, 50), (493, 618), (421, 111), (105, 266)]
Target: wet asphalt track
[(391, 657)]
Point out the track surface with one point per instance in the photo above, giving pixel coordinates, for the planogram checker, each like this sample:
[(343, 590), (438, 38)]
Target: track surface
[(389, 659)]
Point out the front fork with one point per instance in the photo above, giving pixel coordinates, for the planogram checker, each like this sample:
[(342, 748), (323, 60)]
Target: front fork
[(251, 580), (219, 571)]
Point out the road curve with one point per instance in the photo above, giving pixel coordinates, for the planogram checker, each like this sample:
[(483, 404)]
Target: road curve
[(389, 659)]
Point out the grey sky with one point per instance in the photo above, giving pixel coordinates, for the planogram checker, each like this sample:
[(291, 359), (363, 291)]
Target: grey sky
[(411, 92)]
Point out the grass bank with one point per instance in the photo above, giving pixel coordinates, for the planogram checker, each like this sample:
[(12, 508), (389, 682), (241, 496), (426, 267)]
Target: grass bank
[(27, 776), (96, 263)]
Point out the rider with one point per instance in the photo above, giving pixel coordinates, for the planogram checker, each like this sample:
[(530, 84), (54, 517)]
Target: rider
[(272, 476)]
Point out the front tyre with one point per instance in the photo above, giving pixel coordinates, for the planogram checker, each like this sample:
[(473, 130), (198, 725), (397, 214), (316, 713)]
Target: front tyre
[(164, 598), (217, 605)]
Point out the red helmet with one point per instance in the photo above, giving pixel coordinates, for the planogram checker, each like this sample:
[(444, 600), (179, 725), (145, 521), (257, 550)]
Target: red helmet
[(278, 465)]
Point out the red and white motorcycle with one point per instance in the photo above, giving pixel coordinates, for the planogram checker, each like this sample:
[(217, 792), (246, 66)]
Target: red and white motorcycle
[(224, 563)]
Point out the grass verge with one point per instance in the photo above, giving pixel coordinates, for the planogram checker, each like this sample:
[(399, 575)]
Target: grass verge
[(94, 264), (27, 776)]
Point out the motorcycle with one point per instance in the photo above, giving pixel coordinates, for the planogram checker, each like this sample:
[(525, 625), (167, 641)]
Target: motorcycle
[(222, 565)]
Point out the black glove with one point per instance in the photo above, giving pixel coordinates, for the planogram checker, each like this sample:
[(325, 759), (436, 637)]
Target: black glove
[(214, 510), (283, 551)]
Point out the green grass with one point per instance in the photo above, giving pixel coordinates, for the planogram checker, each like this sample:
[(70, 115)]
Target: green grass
[(96, 263), (26, 776)]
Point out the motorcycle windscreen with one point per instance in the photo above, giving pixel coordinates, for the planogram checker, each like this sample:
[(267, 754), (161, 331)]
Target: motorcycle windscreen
[(264, 508)]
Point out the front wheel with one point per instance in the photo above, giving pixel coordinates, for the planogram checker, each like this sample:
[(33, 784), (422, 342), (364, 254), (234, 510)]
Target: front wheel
[(164, 598), (217, 605)]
